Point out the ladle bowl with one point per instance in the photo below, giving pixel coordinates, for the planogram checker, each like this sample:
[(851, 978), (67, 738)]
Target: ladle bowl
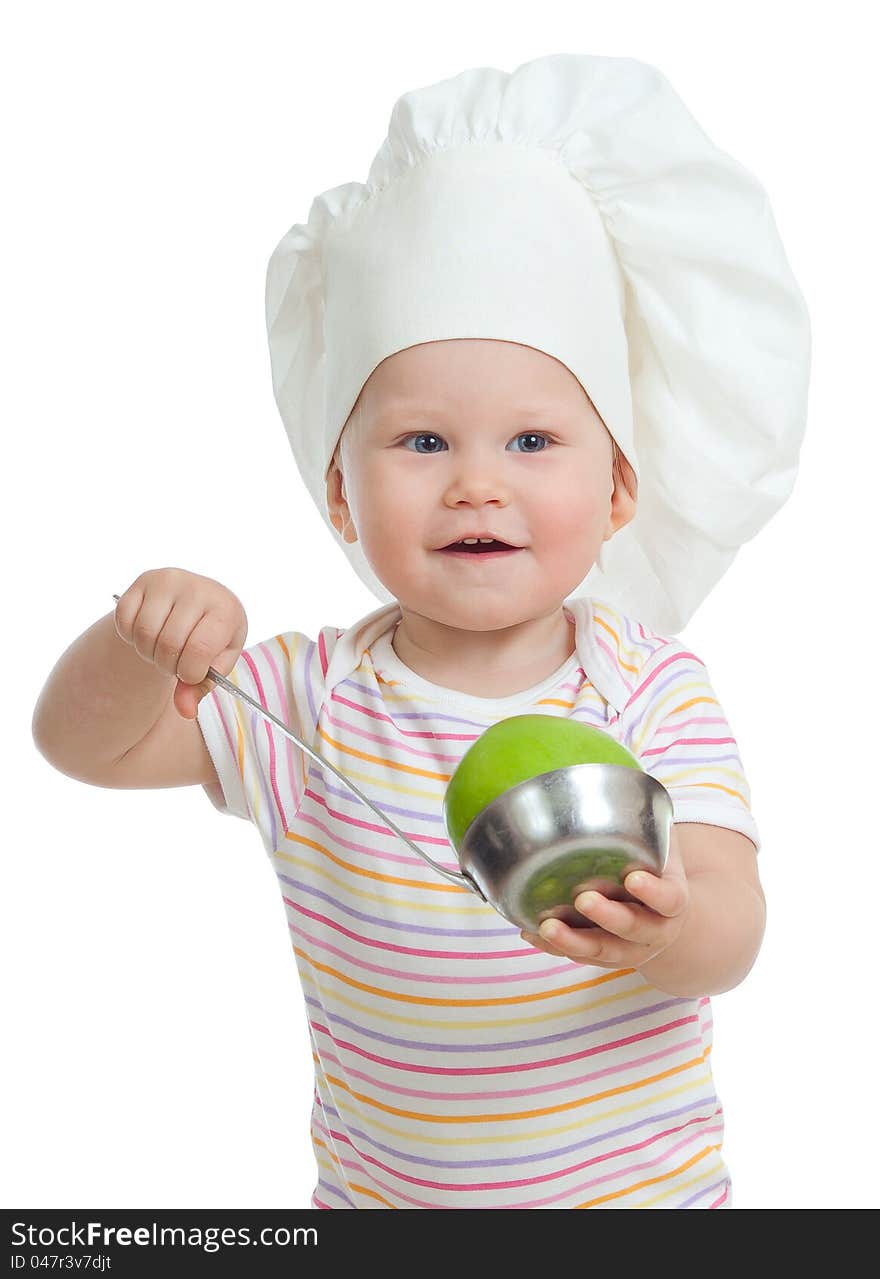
[(541, 843)]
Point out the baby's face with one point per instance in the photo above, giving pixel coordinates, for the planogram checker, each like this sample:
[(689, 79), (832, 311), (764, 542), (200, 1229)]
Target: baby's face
[(476, 437)]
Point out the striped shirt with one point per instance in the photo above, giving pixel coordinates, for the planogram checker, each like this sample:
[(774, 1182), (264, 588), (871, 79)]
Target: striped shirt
[(456, 1066)]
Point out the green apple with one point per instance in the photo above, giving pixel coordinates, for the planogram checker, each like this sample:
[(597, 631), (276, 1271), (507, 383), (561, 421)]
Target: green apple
[(600, 868), (517, 749)]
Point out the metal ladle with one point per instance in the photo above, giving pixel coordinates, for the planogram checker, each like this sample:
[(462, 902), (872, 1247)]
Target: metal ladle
[(534, 848)]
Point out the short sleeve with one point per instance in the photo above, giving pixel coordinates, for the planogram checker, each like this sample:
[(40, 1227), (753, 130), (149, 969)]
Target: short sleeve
[(262, 773), (676, 726)]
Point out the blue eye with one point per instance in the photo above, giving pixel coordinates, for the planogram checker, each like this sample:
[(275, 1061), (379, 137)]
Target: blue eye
[(533, 435), (525, 435), (424, 436)]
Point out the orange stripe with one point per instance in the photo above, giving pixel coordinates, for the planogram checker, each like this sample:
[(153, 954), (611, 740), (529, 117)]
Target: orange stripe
[(611, 631), (693, 702), (718, 786), (555, 701), (363, 1190), (380, 759), (239, 739), (291, 656), (520, 1114), (427, 885), (649, 1181), (461, 1003), (334, 1158), (352, 1185)]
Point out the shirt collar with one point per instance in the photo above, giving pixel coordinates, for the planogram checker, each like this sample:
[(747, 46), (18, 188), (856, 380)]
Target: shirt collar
[(594, 654)]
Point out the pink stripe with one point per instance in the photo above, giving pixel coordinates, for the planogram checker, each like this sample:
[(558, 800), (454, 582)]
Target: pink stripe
[(689, 741), (631, 1171), (348, 820), (410, 950), (536, 1203), (615, 661), (322, 652), (373, 855), (227, 733), (684, 723), (292, 754), (334, 1136), (683, 656), (604, 1047), (266, 728), (404, 732), (351, 734), (433, 978), (510, 1094), (363, 1175), (720, 1200)]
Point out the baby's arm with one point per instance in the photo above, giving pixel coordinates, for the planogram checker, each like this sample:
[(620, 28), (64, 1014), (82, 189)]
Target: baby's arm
[(119, 707), (724, 924)]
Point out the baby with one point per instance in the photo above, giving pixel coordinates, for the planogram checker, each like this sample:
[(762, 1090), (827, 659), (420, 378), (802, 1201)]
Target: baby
[(459, 1063)]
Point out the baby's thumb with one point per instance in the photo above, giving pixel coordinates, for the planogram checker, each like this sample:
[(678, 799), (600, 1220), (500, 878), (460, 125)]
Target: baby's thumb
[(188, 696)]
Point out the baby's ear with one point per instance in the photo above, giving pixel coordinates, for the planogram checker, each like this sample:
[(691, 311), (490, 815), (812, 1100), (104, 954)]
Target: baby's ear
[(335, 494), (337, 506), (625, 475), (625, 496)]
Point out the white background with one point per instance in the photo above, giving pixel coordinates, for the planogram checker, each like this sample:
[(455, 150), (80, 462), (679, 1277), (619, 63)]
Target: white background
[(154, 155)]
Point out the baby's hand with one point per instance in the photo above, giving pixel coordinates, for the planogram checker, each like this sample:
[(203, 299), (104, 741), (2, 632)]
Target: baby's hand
[(183, 623), (627, 934)]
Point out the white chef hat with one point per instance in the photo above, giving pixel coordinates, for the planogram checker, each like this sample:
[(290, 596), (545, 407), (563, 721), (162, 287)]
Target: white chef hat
[(573, 205)]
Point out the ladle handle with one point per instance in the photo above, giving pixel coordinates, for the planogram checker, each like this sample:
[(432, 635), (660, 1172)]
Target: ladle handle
[(451, 875)]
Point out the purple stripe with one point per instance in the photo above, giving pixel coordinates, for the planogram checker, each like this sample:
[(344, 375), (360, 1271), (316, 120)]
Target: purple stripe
[(510, 1161), (331, 1190), (637, 643), (432, 715), (596, 718), (298, 928), (232, 705), (310, 685), (435, 715), (414, 814), (502, 1045), (509, 932), (706, 1191), (676, 674), (693, 759), (267, 791)]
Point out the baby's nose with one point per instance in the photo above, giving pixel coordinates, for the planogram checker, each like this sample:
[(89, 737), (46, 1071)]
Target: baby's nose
[(477, 481)]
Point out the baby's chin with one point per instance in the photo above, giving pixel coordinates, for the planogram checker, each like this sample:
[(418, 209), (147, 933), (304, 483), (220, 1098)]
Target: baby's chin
[(482, 616)]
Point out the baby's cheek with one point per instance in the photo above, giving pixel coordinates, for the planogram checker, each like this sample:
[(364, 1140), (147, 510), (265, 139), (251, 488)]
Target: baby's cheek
[(573, 522)]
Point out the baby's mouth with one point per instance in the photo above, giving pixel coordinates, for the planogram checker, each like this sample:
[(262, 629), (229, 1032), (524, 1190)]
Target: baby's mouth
[(470, 550)]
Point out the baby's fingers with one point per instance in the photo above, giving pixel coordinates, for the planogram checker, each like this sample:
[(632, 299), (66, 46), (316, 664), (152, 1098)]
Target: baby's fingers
[(209, 643), (665, 894), (539, 943)]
